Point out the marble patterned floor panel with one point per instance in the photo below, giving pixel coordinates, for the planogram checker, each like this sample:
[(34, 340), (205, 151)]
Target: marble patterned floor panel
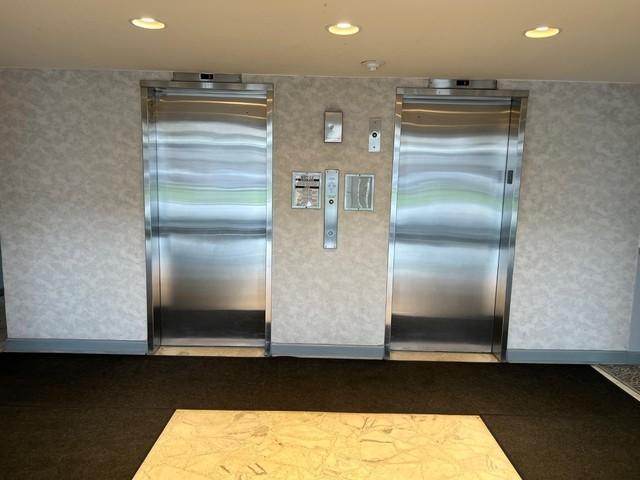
[(627, 374), (243, 445)]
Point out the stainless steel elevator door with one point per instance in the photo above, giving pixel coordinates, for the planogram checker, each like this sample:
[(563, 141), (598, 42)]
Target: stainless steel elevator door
[(450, 187), (212, 202)]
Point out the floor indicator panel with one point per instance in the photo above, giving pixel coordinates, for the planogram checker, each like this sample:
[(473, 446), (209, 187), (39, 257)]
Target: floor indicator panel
[(214, 444)]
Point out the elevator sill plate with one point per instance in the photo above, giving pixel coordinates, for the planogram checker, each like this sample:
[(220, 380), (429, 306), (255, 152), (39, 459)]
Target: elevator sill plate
[(443, 357), (210, 351)]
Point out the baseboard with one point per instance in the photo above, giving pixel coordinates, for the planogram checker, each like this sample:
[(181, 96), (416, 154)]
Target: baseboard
[(312, 350), (56, 345), (633, 357), (573, 356), (139, 347)]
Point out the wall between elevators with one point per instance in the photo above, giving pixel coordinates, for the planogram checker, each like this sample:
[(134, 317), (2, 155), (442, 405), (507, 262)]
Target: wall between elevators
[(71, 214)]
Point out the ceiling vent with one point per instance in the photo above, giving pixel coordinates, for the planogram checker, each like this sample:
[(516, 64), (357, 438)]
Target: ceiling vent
[(207, 77), (453, 83)]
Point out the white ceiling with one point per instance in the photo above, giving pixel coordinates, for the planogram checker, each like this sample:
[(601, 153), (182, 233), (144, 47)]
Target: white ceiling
[(600, 39)]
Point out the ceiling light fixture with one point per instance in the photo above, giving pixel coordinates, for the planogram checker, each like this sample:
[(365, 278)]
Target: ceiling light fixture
[(343, 28), (543, 31), (148, 23)]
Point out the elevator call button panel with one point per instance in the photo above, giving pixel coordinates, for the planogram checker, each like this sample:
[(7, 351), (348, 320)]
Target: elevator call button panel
[(331, 182), (375, 131)]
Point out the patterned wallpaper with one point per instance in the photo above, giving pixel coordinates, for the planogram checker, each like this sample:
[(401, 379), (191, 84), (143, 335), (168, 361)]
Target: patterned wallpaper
[(579, 217), (71, 208), (634, 336), (71, 217), (330, 296)]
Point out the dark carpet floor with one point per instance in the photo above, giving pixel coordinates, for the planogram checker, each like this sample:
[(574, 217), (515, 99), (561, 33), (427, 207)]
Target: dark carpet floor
[(84, 416)]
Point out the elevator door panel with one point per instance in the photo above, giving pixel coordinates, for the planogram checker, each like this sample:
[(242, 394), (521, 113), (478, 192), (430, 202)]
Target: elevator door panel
[(212, 193), (450, 187)]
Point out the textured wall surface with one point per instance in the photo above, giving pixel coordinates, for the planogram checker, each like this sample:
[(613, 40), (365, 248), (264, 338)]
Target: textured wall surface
[(71, 216), (330, 296), (579, 217), (634, 336), (71, 209)]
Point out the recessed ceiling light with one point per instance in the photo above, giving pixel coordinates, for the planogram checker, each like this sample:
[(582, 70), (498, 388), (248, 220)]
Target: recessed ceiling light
[(148, 23), (543, 31), (343, 28)]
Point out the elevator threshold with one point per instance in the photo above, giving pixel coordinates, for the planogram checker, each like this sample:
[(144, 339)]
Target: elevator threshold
[(408, 356), (210, 351)]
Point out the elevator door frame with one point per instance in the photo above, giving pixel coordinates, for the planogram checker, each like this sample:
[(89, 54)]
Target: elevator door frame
[(148, 90), (519, 99)]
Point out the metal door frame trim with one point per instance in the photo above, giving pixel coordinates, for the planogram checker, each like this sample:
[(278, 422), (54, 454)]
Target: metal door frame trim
[(257, 87), (149, 161), (519, 100), (462, 92), (510, 203)]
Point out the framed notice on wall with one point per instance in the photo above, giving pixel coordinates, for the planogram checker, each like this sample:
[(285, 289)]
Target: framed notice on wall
[(306, 191), (358, 191)]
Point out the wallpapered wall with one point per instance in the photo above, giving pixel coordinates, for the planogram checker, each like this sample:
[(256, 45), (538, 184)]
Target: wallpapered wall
[(71, 204), (330, 296), (634, 337), (579, 217), (71, 217)]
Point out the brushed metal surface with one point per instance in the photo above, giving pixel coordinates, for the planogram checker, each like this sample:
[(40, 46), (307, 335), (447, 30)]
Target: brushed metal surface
[(207, 77), (359, 189), (375, 134), (509, 225), (462, 83), (331, 183), (209, 175), (333, 127), (450, 184)]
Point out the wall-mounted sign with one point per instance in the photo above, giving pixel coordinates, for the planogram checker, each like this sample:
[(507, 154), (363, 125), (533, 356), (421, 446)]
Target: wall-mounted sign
[(358, 191), (305, 189), (332, 127)]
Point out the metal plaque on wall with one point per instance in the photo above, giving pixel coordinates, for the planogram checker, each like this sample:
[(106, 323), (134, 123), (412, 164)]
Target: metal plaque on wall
[(333, 127), (358, 191), (305, 189)]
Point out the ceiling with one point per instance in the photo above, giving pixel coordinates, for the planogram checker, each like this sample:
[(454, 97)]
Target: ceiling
[(600, 40)]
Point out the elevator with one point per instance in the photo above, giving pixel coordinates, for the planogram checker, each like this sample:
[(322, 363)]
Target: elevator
[(455, 186), (207, 158)]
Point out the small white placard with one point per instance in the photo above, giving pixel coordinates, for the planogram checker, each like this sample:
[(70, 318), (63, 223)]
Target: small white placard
[(306, 191)]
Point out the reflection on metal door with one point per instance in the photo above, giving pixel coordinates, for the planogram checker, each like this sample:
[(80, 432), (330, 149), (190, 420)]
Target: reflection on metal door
[(448, 228), (209, 201)]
